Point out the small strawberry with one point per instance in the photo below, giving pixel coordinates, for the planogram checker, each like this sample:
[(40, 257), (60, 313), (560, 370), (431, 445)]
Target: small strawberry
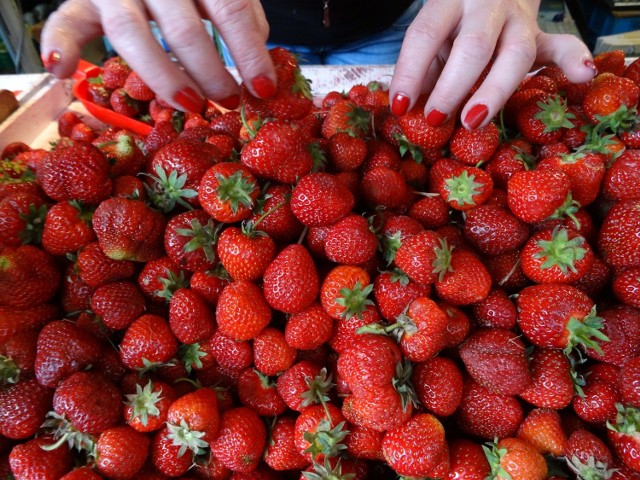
[(418, 133), (623, 437), (22, 216), (148, 342), (258, 392), (347, 152), (463, 187), (123, 152), (542, 428), (121, 452), (165, 458), (309, 328), (24, 407), (137, 89), (123, 104), (274, 215), (15, 320), (281, 453), (394, 291), (344, 291), (190, 317), (346, 116), (454, 267), (416, 256), (160, 278), (228, 192), (618, 239), (242, 311), (497, 310), (468, 461), (241, 440), (611, 100), (319, 432), (597, 402), (621, 325), (245, 252), (351, 241), (115, 71), (553, 380), (542, 121), (516, 459), (29, 460), (622, 179), (319, 199), (626, 286), (118, 304), (193, 420), (189, 238), (473, 147), (383, 187), (438, 384), (146, 409), (67, 228)]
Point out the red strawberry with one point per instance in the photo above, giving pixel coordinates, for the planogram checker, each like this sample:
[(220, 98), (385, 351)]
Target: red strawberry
[(416, 256), (189, 238), (438, 384), (123, 104), (246, 252), (462, 187), (344, 291), (454, 268), (551, 189), (597, 402), (22, 216), (346, 116), (473, 147), (29, 460), (66, 122), (190, 318), (621, 325), (98, 93), (115, 71), (121, 149), (16, 320), (351, 241), (209, 284), (242, 311), (394, 291), (497, 310), (231, 354), (193, 420), (281, 453), (129, 230), (24, 406), (418, 132), (553, 380), (542, 428), (137, 89), (319, 431), (121, 452), (468, 461), (309, 329), (516, 459), (274, 215), (118, 304), (82, 473), (347, 152), (626, 286), (271, 353), (241, 440), (278, 152), (164, 456), (228, 192), (382, 186), (148, 342), (95, 268), (543, 120), (610, 100), (618, 241), (67, 228), (303, 384), (258, 392), (319, 199), (146, 410), (622, 179)]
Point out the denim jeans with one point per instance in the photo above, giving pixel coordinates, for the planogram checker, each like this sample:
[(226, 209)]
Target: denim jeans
[(382, 48)]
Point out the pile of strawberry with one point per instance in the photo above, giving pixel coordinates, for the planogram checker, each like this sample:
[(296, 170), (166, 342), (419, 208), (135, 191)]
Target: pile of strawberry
[(286, 291)]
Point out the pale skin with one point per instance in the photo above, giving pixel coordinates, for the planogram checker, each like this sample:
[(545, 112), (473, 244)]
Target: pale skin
[(444, 52)]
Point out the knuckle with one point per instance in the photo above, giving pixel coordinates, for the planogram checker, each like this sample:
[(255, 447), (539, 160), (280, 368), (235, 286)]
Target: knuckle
[(424, 30), (475, 46), (183, 33), (122, 24), (232, 9)]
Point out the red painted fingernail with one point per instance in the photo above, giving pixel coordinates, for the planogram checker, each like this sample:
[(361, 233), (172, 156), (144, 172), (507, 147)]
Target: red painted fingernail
[(263, 86), (589, 64), (476, 115), (435, 118), (400, 104), (231, 102), (189, 99), (51, 60)]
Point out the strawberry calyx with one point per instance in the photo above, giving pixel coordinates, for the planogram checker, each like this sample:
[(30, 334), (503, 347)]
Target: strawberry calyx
[(34, 224), (568, 209), (627, 420), (326, 441), (622, 120), (560, 251), (319, 387), (319, 157), (235, 190), (182, 436), (592, 469), (354, 300), (202, 236), (191, 355), (167, 191), (494, 456), (327, 472), (14, 170), (64, 432), (442, 263), (170, 284), (301, 84), (586, 332), (462, 188), (149, 366), (402, 383), (404, 146), (358, 121), (390, 244), (9, 371), (143, 403), (554, 114)]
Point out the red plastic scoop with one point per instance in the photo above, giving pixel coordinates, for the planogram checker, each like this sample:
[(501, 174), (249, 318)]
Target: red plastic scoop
[(87, 70)]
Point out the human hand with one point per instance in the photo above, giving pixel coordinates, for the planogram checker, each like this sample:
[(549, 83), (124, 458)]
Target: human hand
[(241, 23), (449, 44)]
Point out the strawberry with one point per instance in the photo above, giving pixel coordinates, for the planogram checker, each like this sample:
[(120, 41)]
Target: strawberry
[(246, 252), (347, 152), (552, 383), (241, 440), (587, 455), (629, 384), (556, 255), (309, 329), (121, 452), (454, 267), (242, 311), (231, 354), (622, 179), (278, 152), (146, 409), (82, 473), (82, 132), (228, 192), (16, 320), (163, 133), (488, 415), (28, 276), (319, 431), (22, 216), (542, 121), (115, 71), (193, 420), (418, 133), (271, 353), (559, 316), (468, 460), (189, 238), (552, 188), (597, 402), (29, 460), (473, 147), (274, 215), (209, 284), (137, 89), (382, 186), (319, 199), (542, 428), (621, 325), (98, 93), (394, 291), (344, 291), (123, 152), (67, 228), (160, 278), (66, 122), (95, 268), (432, 211), (438, 384), (190, 318), (122, 103), (347, 116), (148, 342), (24, 406), (165, 458), (304, 383), (18, 356), (617, 239), (351, 241), (516, 459), (626, 286), (622, 436), (610, 100), (118, 304), (128, 186), (461, 186), (496, 359), (78, 171), (422, 443), (364, 443), (497, 310), (129, 230), (258, 392), (416, 256), (281, 453)]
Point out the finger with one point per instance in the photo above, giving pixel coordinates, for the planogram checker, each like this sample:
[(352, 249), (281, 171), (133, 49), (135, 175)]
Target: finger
[(66, 31), (243, 32), (471, 52), (515, 56), (127, 26), (182, 28), (423, 39), (569, 53)]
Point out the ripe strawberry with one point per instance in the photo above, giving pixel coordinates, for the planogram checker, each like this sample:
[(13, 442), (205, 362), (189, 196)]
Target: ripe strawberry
[(82, 132), (271, 353), (552, 383), (78, 171), (115, 71), (462, 187), (148, 342), (347, 152), (422, 444), (29, 460), (18, 356), (165, 458), (190, 318), (344, 291), (189, 238), (228, 192), (146, 409), (137, 89), (241, 440), (622, 179), (67, 228), (542, 429), (394, 291), (516, 459), (118, 304), (162, 133), (281, 453), (346, 116), (610, 100), (382, 186), (438, 384), (473, 147), (121, 452), (319, 199), (22, 217), (258, 392), (468, 460), (124, 154), (542, 121), (497, 310), (351, 241), (628, 382), (418, 132), (246, 252), (309, 328), (209, 284), (16, 320), (129, 230), (364, 443), (551, 187), (95, 268), (454, 267), (159, 278), (82, 473), (621, 325), (278, 152), (623, 438), (231, 354), (303, 384), (193, 420), (274, 215), (24, 406), (626, 286), (128, 186), (242, 311), (66, 122), (416, 256), (319, 432), (122, 103), (618, 239), (597, 402)]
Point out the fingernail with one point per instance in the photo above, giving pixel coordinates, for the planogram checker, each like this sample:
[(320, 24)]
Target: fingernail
[(230, 103), (589, 64), (51, 60), (189, 99), (400, 104), (435, 118), (476, 115), (263, 86)]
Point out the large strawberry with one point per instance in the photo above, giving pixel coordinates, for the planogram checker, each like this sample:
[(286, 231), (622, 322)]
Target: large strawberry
[(242, 311), (121, 452), (29, 460), (190, 318), (189, 240), (28, 276), (245, 252), (193, 420), (279, 152), (551, 189), (543, 120), (516, 459), (438, 385), (67, 228), (319, 199), (618, 239), (24, 407), (148, 342), (118, 304), (129, 230), (622, 435)]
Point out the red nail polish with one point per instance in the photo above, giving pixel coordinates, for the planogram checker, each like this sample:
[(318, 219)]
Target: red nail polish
[(51, 60), (475, 116), (230, 103), (189, 99), (263, 86), (400, 104), (435, 118), (589, 64)]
